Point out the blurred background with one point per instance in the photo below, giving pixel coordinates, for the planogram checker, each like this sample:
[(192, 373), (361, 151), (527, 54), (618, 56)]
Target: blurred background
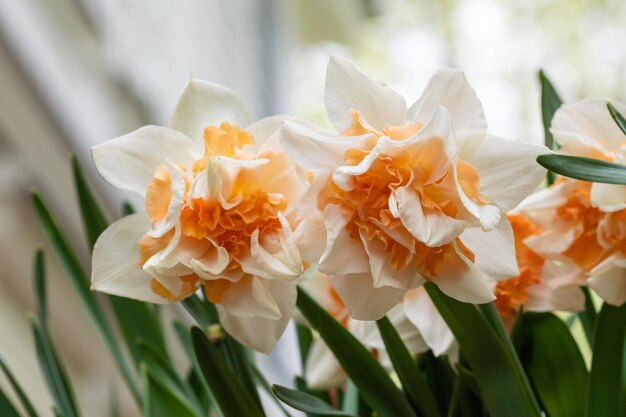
[(74, 73)]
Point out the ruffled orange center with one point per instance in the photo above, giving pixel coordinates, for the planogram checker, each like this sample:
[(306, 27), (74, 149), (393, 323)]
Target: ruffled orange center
[(367, 203), (584, 219), (206, 220), (512, 293)]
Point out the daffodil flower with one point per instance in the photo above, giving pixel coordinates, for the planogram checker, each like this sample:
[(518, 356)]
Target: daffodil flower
[(404, 195), (583, 222), (219, 200)]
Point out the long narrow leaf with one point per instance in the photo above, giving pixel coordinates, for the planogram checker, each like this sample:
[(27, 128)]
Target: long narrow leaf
[(306, 402), (588, 315), (21, 395), (160, 399), (367, 374), (232, 398), (53, 372), (7, 409), (550, 102), (605, 381), (554, 364), (80, 282), (585, 169), (413, 383), (504, 388), (618, 117)]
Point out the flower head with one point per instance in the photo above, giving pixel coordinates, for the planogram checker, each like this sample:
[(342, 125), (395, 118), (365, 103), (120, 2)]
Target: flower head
[(585, 223), (407, 195), (218, 202)]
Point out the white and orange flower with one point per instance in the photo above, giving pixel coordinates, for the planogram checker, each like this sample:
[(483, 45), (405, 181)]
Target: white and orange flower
[(407, 195), (218, 202), (582, 222)]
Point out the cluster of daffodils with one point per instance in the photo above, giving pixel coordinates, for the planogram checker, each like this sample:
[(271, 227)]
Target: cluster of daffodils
[(361, 216)]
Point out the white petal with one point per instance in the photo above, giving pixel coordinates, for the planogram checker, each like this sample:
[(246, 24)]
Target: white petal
[(421, 311), (322, 370), (347, 88), (558, 289), (464, 282), (204, 104), (177, 180), (608, 279), (589, 119), (363, 300), (431, 227), (130, 161), (212, 263), (343, 255), (115, 263), (312, 150), (450, 89), (494, 250), (251, 297), (608, 197), (256, 332), (508, 170)]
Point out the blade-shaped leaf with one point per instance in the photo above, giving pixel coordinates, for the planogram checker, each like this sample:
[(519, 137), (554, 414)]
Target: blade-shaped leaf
[(618, 117), (586, 169), (504, 388), (413, 383), (160, 399), (7, 409), (80, 282), (550, 103), (605, 382), (232, 398), (240, 360), (52, 370), (21, 395), (367, 374), (554, 365), (588, 315), (306, 402), (440, 377), (137, 320)]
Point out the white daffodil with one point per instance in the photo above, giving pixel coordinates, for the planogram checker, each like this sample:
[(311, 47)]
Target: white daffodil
[(322, 370), (218, 206), (585, 223), (407, 195)]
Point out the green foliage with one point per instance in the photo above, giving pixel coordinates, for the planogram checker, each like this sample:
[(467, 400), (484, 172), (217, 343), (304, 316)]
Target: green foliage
[(231, 397), (550, 103), (7, 409), (554, 364), (585, 169), (502, 383), (367, 374), (618, 117), (19, 391), (605, 382), (306, 402)]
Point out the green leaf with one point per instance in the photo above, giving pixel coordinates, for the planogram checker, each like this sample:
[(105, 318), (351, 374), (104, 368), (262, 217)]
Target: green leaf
[(367, 374), (503, 385), (554, 365), (6, 407), (52, 370), (160, 398), (413, 383), (94, 220), (550, 103), (306, 402), (605, 382), (21, 395), (618, 117), (440, 377), (80, 282), (258, 376), (232, 398), (238, 358), (137, 320), (588, 315), (305, 339), (585, 169)]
